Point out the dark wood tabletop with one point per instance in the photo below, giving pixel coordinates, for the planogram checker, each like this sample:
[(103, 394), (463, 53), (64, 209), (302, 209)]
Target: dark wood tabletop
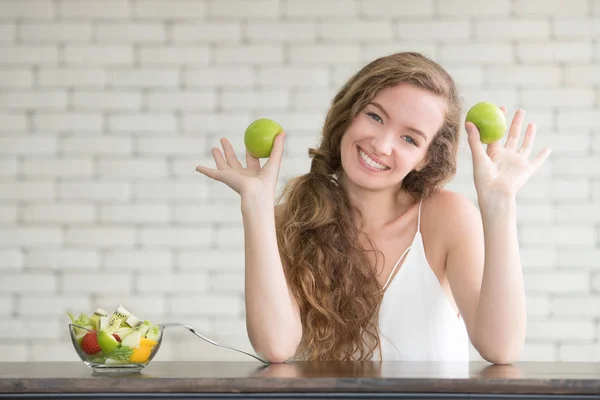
[(306, 379)]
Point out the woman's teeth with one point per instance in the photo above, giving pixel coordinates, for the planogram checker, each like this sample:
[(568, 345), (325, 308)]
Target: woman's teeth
[(368, 160)]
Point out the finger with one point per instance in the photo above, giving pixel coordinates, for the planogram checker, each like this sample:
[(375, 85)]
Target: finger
[(503, 109), (528, 140), (492, 147), (474, 142), (541, 157), (230, 155), (210, 172), (252, 162), (219, 159), (276, 153), (515, 130), (227, 177)]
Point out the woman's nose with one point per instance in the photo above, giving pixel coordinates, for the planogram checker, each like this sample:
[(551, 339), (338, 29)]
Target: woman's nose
[(382, 145)]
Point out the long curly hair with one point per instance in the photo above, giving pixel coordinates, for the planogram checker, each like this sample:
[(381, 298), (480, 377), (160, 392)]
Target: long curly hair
[(329, 273)]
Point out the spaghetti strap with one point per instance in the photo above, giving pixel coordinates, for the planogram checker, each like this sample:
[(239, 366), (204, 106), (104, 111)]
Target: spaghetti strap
[(405, 251), (417, 321), (394, 269), (419, 218)]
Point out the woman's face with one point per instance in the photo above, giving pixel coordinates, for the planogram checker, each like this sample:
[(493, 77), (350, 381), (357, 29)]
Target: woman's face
[(389, 138)]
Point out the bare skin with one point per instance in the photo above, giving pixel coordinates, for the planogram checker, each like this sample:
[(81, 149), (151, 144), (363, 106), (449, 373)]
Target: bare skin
[(474, 253)]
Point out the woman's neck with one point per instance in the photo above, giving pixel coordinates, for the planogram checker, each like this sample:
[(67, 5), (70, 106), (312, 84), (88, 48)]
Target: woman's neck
[(378, 209)]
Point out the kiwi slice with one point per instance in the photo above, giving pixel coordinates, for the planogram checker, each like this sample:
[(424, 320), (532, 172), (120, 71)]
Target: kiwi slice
[(95, 318), (133, 321), (103, 324), (120, 313), (114, 325)]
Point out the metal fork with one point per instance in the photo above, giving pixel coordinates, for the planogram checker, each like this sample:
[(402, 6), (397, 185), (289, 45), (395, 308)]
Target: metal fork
[(191, 329)]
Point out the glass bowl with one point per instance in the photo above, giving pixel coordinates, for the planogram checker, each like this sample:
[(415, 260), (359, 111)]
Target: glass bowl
[(122, 359)]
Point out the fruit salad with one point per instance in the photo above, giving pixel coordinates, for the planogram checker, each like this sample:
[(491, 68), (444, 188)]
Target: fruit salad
[(118, 339)]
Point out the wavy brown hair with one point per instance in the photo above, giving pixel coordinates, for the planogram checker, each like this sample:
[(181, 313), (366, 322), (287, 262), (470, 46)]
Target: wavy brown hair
[(328, 271)]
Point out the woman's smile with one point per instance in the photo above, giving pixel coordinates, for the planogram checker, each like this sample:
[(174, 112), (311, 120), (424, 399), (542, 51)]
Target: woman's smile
[(370, 164)]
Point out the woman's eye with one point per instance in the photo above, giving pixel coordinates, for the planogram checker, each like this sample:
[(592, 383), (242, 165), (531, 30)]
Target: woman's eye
[(410, 140), (375, 117)]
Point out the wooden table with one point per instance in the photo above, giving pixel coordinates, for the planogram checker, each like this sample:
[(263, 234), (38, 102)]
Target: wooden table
[(367, 380)]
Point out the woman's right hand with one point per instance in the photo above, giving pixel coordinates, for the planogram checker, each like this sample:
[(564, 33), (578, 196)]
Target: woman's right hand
[(253, 179)]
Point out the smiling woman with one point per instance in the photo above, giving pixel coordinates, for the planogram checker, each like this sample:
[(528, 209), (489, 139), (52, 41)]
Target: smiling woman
[(367, 257), (392, 142), (383, 169)]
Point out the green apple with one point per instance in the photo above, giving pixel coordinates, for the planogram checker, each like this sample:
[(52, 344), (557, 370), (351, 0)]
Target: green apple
[(132, 340), (260, 136), (107, 342), (489, 120)]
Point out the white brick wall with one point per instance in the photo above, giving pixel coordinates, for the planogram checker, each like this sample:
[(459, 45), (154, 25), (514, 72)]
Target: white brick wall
[(106, 107)]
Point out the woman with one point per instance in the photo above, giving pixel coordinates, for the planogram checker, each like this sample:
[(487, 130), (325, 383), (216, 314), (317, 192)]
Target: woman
[(368, 257)]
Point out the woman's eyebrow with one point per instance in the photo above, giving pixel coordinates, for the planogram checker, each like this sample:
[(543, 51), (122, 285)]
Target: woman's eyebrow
[(381, 108), (413, 130)]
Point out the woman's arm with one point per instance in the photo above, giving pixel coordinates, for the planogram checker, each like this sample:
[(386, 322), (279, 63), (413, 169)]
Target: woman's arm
[(501, 316), (494, 309), (484, 272), (272, 315)]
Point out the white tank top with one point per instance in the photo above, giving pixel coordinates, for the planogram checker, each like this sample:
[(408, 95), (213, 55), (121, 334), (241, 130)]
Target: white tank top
[(416, 320)]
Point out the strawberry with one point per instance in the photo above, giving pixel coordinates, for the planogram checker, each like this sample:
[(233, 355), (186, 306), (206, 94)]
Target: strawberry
[(89, 343), (117, 337)]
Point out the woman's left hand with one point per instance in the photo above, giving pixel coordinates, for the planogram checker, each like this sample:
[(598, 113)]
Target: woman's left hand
[(503, 170)]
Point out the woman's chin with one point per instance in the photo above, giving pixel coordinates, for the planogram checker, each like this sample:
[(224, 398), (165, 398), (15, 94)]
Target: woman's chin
[(366, 181)]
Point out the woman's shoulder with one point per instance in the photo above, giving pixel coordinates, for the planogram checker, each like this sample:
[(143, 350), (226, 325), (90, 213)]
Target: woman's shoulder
[(447, 200), (451, 212)]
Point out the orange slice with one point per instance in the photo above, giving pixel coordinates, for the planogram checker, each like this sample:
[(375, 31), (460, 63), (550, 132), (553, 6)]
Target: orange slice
[(148, 342), (141, 354)]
